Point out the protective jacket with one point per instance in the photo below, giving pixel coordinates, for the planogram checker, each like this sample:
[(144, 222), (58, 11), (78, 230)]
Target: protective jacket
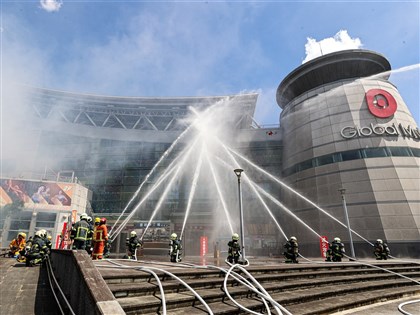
[(80, 231), (100, 236), (16, 246), (234, 251), (37, 252), (175, 248), (133, 243), (291, 252), (381, 251), (335, 251)]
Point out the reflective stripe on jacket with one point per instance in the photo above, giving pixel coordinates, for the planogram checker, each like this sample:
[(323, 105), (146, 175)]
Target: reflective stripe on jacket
[(100, 234)]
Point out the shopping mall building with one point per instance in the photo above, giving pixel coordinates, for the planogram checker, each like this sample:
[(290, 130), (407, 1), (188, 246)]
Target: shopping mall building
[(342, 126)]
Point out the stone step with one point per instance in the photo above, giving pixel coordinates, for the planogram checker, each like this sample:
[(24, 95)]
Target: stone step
[(273, 283), (120, 276), (285, 297), (324, 306), (291, 285), (335, 304)]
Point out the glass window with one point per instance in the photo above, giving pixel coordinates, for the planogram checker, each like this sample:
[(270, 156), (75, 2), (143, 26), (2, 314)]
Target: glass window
[(131, 180), (416, 152), (305, 165), (43, 224), (337, 157), (351, 155), (399, 151), (374, 152), (323, 160), (19, 225), (46, 216)]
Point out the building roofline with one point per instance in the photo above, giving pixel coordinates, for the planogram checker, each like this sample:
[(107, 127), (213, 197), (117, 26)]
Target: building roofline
[(336, 66)]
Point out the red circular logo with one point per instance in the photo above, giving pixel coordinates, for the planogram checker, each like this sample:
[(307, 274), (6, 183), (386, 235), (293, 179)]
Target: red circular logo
[(381, 103)]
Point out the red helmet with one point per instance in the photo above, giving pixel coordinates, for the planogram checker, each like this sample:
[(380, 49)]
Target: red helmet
[(103, 221)]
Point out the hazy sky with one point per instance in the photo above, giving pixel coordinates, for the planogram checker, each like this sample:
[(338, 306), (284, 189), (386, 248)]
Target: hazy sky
[(198, 48)]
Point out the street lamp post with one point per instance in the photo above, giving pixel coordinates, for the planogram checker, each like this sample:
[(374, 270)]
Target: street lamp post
[(238, 172), (343, 198)]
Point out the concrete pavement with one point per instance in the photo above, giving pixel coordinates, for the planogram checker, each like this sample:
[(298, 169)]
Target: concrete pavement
[(25, 290)]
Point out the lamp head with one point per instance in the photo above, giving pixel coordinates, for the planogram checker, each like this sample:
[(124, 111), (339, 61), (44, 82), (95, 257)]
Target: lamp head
[(238, 172), (342, 190)]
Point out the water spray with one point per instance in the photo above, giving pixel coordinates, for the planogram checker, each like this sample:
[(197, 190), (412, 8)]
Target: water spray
[(164, 155), (192, 192)]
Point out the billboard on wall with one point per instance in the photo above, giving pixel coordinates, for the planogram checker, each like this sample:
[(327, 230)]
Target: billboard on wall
[(36, 194)]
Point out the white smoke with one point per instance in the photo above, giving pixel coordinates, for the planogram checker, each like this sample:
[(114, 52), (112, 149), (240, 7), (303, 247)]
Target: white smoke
[(51, 5), (340, 41)]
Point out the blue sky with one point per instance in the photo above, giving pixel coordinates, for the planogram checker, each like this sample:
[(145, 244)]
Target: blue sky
[(197, 48)]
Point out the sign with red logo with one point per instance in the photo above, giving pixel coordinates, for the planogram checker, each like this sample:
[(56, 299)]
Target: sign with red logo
[(323, 244), (381, 103), (204, 245)]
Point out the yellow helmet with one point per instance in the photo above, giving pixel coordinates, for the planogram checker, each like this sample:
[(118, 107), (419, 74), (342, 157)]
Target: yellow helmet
[(49, 237), (235, 236), (174, 236), (22, 234), (97, 220)]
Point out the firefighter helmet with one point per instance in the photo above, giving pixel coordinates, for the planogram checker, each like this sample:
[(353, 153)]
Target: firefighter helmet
[(133, 233), (83, 216), (102, 221), (23, 235), (235, 236), (293, 238), (43, 233), (49, 237), (89, 219), (379, 241), (337, 239), (97, 220), (174, 236), (39, 233)]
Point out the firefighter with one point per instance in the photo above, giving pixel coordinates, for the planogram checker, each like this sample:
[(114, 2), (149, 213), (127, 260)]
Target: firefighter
[(100, 237), (234, 249), (335, 250), (79, 232), (175, 248), (36, 254), (24, 252), (17, 245), (291, 252), (89, 245), (133, 244), (381, 250)]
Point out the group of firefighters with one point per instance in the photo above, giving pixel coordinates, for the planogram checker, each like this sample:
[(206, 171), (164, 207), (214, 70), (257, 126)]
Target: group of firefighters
[(335, 250), (32, 251), (94, 239), (334, 253)]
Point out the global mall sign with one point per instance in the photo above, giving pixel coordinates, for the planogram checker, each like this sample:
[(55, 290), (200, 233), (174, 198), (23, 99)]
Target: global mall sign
[(382, 105)]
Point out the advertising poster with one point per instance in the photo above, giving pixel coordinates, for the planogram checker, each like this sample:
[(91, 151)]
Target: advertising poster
[(36, 194)]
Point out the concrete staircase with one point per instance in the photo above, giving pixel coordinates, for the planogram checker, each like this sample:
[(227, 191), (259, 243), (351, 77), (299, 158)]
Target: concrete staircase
[(310, 288)]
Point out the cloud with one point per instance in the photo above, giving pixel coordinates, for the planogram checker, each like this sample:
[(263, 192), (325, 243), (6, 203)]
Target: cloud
[(340, 41), (51, 5)]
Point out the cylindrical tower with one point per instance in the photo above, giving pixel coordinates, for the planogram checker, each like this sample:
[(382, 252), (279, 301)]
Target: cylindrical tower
[(346, 126)]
